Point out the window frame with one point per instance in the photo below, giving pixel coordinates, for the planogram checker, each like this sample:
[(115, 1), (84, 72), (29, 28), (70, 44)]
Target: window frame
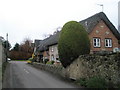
[(98, 43), (109, 40), (52, 57)]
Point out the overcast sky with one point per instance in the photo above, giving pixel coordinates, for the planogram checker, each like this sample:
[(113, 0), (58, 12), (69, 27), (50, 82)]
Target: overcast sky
[(34, 18)]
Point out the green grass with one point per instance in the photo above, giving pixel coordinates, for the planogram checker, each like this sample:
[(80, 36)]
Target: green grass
[(19, 60), (93, 82)]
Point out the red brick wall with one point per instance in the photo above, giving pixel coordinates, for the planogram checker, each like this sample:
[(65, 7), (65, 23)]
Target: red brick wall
[(102, 31)]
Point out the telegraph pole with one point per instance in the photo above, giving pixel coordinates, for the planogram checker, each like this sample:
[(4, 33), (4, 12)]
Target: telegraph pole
[(6, 46)]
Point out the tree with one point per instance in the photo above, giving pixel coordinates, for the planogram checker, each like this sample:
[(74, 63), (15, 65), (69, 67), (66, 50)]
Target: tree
[(22, 51), (7, 45), (16, 47), (73, 41), (26, 46)]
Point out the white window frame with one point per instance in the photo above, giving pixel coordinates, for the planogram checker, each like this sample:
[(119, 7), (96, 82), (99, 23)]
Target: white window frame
[(97, 41), (52, 49), (52, 57), (108, 42)]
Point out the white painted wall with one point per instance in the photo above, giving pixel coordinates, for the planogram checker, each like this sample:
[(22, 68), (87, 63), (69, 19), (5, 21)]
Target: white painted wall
[(53, 52)]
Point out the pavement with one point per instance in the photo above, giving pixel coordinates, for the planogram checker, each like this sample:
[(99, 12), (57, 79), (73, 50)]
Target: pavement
[(21, 75)]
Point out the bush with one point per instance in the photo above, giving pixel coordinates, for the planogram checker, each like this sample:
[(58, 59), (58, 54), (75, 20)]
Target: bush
[(50, 62), (73, 41), (96, 82), (82, 82), (46, 60)]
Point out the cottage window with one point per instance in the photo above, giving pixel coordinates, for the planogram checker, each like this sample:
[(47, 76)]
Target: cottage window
[(96, 42), (108, 42), (52, 57), (52, 49)]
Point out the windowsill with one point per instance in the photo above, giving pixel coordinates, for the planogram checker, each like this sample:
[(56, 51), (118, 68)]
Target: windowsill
[(97, 47), (108, 47)]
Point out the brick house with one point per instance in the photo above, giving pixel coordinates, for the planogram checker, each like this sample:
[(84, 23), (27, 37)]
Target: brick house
[(103, 36), (102, 33)]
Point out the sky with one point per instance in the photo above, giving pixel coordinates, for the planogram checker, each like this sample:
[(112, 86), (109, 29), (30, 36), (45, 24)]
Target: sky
[(36, 18)]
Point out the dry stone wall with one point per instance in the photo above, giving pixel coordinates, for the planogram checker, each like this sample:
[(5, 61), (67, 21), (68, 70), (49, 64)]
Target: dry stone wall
[(86, 66)]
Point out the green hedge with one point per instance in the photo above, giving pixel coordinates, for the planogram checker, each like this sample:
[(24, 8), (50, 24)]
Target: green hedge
[(73, 41)]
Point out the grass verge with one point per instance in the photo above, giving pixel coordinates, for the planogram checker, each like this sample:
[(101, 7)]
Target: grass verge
[(19, 60)]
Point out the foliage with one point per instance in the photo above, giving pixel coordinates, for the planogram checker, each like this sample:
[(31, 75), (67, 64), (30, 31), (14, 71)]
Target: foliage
[(82, 82), (19, 55), (93, 82), (22, 51), (96, 82), (50, 62), (73, 41), (16, 47), (26, 46), (46, 60), (7, 45)]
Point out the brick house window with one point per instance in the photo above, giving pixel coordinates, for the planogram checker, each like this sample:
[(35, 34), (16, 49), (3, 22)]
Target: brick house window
[(96, 42), (108, 42)]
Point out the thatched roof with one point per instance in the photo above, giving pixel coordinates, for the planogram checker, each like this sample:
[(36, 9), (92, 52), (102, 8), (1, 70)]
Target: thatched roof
[(88, 23), (52, 40)]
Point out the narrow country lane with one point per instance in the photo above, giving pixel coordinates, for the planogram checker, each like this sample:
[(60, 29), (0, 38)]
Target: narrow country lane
[(21, 75)]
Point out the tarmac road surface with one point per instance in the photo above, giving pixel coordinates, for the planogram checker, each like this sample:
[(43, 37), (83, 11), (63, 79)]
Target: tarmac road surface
[(21, 75)]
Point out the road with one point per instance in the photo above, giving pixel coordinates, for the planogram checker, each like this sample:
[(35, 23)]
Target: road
[(21, 75)]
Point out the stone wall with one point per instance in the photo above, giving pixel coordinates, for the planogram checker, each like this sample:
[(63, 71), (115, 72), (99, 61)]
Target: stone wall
[(58, 70), (87, 66)]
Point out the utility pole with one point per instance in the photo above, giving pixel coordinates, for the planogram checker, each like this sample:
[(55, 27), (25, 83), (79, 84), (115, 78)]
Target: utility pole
[(101, 6), (6, 46)]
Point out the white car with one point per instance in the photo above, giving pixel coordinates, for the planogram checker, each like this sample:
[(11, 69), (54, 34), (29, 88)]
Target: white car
[(8, 59)]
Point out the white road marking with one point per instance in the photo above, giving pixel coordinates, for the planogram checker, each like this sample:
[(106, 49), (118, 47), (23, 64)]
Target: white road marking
[(26, 71)]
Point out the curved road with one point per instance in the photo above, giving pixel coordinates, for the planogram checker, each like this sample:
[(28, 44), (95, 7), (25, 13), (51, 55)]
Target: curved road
[(21, 75)]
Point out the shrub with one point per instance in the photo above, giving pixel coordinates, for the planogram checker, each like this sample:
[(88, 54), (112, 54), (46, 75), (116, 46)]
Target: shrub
[(73, 41), (82, 81), (50, 62), (46, 60), (96, 82)]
